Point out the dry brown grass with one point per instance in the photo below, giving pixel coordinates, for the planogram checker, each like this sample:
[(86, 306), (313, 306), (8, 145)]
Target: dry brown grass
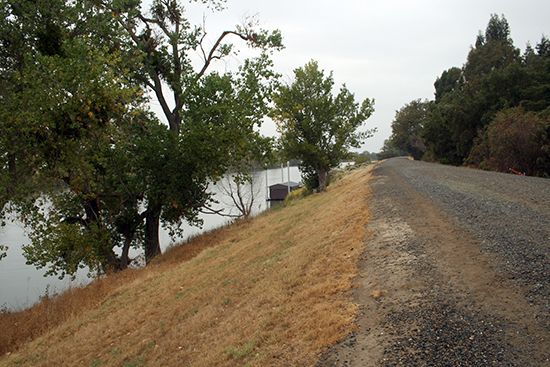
[(20, 327), (272, 291), (23, 326)]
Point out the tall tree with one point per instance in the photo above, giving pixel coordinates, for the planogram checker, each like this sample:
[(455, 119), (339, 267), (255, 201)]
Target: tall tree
[(407, 128), (495, 50), (468, 99), (88, 149), (166, 42), (316, 126), (535, 91), (68, 102), (479, 110), (449, 81)]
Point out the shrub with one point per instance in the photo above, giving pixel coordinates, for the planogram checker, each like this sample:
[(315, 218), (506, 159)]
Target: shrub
[(514, 141), (362, 158), (297, 194)]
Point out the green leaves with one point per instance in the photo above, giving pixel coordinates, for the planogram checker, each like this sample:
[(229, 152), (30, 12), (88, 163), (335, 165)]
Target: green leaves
[(66, 111), (77, 133), (479, 108), (468, 98), (514, 140), (61, 240), (317, 127), (407, 129), (497, 29)]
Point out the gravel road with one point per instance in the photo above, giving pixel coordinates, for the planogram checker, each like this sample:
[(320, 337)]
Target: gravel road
[(456, 270)]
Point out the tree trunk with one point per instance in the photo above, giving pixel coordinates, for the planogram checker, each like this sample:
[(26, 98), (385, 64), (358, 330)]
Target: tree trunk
[(124, 260), (128, 226), (109, 260), (322, 176), (152, 242)]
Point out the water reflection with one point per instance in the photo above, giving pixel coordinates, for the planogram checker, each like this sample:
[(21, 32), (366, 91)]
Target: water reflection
[(21, 285)]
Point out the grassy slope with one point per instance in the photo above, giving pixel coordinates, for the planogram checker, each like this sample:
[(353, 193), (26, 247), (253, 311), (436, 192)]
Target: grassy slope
[(271, 291)]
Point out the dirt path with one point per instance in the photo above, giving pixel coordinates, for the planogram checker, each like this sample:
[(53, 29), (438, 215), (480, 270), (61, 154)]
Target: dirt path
[(439, 283)]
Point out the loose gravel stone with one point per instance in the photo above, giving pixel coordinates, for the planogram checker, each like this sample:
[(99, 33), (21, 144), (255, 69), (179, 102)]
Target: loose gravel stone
[(509, 214), (464, 256), (447, 335)]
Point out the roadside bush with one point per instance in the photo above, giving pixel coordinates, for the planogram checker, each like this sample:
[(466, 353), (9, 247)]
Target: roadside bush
[(361, 159), (297, 194), (514, 141)]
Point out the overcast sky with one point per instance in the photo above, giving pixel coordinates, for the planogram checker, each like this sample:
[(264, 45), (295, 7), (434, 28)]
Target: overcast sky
[(389, 50)]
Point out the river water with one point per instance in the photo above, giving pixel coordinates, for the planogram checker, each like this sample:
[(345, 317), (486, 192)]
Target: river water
[(22, 285)]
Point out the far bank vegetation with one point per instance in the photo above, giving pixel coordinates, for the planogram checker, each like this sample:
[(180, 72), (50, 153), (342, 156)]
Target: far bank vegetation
[(492, 113)]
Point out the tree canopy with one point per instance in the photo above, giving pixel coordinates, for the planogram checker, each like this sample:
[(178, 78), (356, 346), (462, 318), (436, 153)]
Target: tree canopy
[(85, 164), (496, 91), (221, 109), (317, 126), (407, 128)]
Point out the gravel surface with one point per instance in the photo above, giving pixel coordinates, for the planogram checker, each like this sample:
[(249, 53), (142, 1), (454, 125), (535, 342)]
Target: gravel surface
[(448, 335), (461, 257), (509, 214)]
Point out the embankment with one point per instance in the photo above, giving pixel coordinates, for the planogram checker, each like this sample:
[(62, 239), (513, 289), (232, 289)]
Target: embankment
[(270, 291)]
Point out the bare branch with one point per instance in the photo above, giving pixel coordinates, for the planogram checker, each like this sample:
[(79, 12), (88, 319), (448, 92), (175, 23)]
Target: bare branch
[(212, 56), (157, 88), (242, 199), (208, 210), (177, 70), (160, 24), (150, 85), (202, 38)]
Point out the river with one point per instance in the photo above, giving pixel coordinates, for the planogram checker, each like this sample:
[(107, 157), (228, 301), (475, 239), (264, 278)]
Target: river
[(22, 285)]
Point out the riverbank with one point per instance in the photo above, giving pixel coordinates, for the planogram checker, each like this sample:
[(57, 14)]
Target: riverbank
[(270, 291), (23, 285)]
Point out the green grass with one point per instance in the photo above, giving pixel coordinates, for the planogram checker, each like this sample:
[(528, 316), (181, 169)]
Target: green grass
[(242, 351)]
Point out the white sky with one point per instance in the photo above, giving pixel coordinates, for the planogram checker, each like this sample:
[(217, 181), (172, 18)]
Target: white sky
[(389, 50)]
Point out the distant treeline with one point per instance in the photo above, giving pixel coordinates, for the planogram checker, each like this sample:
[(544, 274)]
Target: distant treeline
[(492, 113)]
